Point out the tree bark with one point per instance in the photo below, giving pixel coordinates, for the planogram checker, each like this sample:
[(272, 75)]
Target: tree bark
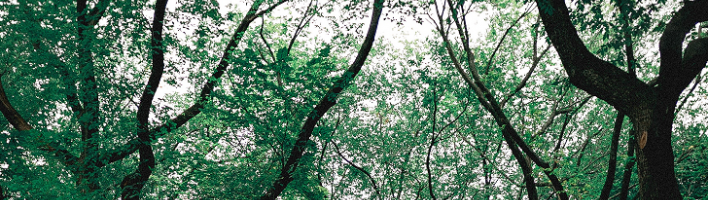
[(651, 109)]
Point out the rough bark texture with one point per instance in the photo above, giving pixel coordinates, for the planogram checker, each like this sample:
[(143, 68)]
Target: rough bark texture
[(329, 100), (651, 109)]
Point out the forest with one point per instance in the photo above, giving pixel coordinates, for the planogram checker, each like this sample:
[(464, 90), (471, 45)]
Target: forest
[(356, 99)]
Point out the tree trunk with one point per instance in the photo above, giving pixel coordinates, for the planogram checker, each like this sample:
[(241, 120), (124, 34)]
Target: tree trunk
[(612, 164), (655, 161), (650, 108), (627, 176)]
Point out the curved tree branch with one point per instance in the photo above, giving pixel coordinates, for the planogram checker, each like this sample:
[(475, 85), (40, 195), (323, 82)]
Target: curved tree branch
[(133, 183), (488, 101), (695, 58), (689, 94), (588, 72), (677, 71), (650, 109), (132, 145), (20, 124), (373, 181), (329, 100), (491, 58), (10, 113)]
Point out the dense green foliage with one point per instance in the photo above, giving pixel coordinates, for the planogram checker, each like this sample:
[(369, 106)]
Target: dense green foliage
[(431, 114)]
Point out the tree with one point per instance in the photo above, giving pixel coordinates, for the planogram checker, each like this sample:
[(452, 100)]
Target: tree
[(51, 54), (318, 99), (326, 102), (651, 108)]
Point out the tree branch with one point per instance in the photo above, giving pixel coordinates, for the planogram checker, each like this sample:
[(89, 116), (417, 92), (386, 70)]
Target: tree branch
[(371, 179), (176, 122), (676, 73), (612, 164), (690, 92), (588, 72), (694, 60), (10, 113), (133, 183), (583, 146), (522, 84), (158, 67), (491, 58), (433, 140), (628, 166), (488, 101), (21, 125), (327, 101), (89, 118)]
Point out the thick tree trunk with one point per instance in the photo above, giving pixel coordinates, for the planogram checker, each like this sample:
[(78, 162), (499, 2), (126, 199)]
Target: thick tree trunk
[(656, 161), (651, 108)]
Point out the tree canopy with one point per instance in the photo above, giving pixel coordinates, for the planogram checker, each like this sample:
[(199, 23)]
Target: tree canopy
[(322, 99)]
